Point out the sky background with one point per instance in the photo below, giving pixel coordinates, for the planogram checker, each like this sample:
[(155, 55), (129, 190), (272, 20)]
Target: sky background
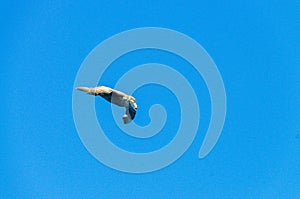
[(255, 45)]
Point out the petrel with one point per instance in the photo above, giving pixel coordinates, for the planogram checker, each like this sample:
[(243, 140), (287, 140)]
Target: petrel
[(116, 97)]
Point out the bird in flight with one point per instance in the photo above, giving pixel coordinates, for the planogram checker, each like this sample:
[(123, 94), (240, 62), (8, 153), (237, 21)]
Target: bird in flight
[(116, 97)]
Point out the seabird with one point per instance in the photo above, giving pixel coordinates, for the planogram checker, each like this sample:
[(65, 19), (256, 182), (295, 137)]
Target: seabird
[(116, 97)]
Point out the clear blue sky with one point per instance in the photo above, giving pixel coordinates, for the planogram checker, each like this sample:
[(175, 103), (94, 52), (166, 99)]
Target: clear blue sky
[(255, 45)]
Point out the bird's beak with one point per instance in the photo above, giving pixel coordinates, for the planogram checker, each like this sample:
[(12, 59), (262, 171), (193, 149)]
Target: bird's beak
[(90, 91)]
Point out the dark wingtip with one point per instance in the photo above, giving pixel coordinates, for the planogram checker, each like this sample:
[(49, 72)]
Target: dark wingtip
[(132, 112)]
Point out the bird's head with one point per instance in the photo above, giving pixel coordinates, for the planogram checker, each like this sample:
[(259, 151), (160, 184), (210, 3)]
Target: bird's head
[(132, 102)]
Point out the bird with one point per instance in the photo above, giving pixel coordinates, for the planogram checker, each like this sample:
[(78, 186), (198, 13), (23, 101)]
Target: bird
[(115, 97)]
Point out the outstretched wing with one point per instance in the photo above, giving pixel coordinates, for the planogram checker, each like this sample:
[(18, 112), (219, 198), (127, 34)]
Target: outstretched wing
[(132, 111), (104, 92), (106, 96)]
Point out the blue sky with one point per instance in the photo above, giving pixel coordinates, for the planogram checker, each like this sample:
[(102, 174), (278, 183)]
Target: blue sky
[(255, 46)]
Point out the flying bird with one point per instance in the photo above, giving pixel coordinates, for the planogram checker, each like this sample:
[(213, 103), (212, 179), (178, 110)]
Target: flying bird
[(116, 97)]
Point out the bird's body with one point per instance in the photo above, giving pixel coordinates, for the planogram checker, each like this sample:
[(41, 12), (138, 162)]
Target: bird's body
[(116, 97)]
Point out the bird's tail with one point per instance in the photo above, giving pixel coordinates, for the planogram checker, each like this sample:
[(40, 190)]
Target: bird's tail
[(87, 90)]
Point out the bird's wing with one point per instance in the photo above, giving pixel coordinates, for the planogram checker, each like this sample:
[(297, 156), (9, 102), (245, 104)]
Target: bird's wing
[(132, 111), (104, 92)]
